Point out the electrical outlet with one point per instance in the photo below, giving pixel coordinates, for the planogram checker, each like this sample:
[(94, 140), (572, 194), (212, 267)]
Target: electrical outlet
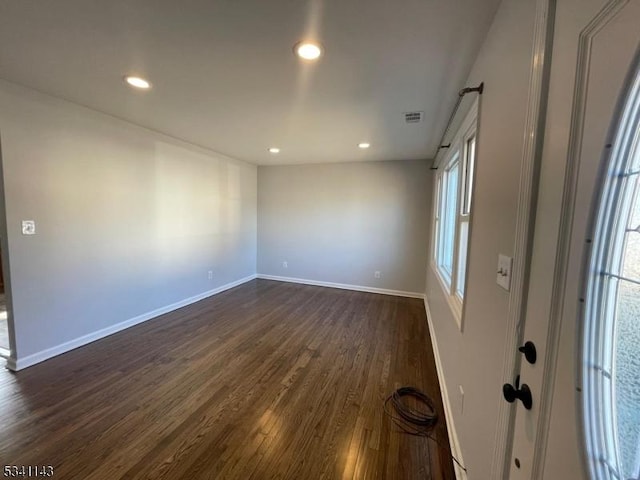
[(377, 274), (28, 227), (285, 264), (210, 274)]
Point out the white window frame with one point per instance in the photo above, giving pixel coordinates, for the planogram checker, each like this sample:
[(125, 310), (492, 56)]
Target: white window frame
[(454, 161), (456, 154), (602, 275)]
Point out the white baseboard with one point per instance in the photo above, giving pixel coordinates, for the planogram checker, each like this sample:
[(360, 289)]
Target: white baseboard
[(11, 364), (22, 363), (456, 451), (343, 286)]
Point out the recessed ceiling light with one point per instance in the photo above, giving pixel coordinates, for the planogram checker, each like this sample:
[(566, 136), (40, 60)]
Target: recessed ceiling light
[(308, 50), (364, 145), (137, 82), (274, 150)]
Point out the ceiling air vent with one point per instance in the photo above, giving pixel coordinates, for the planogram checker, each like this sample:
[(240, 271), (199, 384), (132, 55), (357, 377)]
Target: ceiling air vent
[(413, 117)]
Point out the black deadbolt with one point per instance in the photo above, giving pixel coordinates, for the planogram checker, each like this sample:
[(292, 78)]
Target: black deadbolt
[(529, 350)]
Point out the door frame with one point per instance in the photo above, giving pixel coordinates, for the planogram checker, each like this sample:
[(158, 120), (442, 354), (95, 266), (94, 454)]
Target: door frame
[(533, 139), (6, 270)]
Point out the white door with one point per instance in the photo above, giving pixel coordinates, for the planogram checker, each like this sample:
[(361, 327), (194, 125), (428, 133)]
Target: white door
[(595, 45)]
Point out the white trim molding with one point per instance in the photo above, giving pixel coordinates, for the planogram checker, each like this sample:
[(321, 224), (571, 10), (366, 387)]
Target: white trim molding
[(343, 286), (16, 364), (455, 306), (454, 443), (525, 218)]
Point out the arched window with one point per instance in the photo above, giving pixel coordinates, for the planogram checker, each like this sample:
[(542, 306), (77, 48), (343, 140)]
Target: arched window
[(611, 329)]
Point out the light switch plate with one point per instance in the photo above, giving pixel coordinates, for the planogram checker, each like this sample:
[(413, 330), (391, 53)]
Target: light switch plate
[(503, 277), (28, 227)]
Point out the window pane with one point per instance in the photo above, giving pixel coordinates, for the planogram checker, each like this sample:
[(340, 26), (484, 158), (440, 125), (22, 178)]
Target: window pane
[(627, 351), (627, 377), (468, 175), (448, 218), (462, 257), (611, 348), (438, 209)]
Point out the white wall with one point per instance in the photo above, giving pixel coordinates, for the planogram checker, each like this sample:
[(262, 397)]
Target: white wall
[(474, 358), (340, 223), (128, 221)]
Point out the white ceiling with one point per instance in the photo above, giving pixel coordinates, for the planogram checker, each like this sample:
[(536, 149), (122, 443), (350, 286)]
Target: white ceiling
[(224, 75)]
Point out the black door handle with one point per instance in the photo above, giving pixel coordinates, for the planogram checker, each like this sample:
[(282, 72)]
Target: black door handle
[(511, 393)]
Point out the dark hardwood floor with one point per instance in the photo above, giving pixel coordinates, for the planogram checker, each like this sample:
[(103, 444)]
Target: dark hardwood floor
[(268, 380)]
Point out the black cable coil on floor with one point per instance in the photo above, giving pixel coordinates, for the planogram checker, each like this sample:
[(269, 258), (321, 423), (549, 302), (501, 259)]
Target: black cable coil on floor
[(415, 421)]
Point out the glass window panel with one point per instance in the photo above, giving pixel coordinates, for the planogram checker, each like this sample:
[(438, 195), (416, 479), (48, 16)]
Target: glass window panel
[(634, 164), (468, 175), (448, 218), (627, 377), (437, 219), (627, 351), (441, 222), (463, 239), (631, 265), (612, 312), (634, 218)]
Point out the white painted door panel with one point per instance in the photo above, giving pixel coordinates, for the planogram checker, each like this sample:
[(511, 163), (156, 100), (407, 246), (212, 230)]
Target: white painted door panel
[(598, 40)]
